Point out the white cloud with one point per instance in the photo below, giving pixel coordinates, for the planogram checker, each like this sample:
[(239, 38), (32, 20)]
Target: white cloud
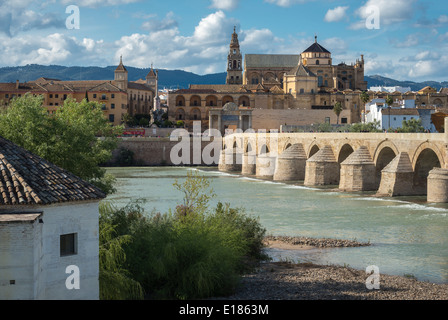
[(225, 4), (155, 24), (203, 52), (390, 11), (98, 3), (286, 3), (25, 15), (336, 14)]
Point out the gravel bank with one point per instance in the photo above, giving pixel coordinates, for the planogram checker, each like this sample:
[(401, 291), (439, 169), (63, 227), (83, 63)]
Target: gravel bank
[(282, 241), (307, 281)]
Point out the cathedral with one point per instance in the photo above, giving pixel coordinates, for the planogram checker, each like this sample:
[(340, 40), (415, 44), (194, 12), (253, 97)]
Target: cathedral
[(296, 89)]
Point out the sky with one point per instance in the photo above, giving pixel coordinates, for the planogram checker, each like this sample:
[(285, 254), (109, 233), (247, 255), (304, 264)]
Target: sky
[(400, 39)]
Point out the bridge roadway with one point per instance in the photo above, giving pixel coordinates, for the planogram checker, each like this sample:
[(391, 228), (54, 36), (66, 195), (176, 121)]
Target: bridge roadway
[(392, 164)]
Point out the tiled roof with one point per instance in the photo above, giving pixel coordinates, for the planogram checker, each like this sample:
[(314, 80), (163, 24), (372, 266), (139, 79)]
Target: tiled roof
[(26, 179), (301, 71), (315, 47), (271, 60), (402, 112)]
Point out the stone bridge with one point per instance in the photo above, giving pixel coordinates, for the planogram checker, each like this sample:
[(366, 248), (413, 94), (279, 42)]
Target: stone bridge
[(392, 164)]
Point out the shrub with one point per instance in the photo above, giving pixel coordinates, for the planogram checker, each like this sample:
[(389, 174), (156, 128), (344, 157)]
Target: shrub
[(192, 252)]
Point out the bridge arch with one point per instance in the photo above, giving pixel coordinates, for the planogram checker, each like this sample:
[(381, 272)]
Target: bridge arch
[(426, 157), (384, 154), (313, 149), (264, 149), (344, 152), (382, 147)]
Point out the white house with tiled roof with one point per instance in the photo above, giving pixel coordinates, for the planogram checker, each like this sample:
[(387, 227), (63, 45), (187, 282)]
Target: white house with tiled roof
[(49, 220)]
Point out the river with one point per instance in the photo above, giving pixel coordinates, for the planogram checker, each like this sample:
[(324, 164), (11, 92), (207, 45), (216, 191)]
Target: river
[(408, 236)]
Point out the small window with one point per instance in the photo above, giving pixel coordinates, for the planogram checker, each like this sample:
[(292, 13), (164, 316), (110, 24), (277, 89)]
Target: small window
[(103, 97), (56, 96), (68, 244), (94, 96), (6, 96), (113, 95), (327, 120), (112, 106), (343, 120), (111, 118)]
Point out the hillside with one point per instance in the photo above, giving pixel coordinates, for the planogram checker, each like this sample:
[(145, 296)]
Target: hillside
[(167, 78), (171, 79)]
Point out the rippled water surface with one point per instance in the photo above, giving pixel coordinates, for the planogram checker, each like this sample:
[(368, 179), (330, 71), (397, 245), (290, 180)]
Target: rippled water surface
[(408, 236)]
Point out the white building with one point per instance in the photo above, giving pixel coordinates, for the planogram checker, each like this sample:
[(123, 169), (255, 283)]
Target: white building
[(393, 117), (49, 241), (391, 89)]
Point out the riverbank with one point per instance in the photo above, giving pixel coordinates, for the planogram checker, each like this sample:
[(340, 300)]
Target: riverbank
[(307, 281)]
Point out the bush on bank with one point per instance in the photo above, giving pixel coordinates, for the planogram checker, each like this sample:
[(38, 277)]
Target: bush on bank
[(191, 252)]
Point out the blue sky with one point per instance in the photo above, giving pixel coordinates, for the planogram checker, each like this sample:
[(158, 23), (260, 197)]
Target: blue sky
[(408, 40)]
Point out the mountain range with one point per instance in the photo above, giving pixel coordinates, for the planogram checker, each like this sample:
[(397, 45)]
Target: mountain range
[(171, 79)]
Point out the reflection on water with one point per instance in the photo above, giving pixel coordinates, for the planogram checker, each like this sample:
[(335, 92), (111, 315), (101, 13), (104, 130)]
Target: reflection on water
[(408, 236)]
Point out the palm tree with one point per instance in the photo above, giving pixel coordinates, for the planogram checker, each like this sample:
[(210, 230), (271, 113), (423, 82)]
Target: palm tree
[(364, 98), (337, 109)]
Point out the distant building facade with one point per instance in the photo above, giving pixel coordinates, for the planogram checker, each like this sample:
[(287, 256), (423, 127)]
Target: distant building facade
[(293, 90), (280, 89), (117, 97)]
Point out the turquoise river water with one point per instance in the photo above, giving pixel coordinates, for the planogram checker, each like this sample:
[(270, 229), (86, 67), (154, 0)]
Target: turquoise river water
[(408, 236)]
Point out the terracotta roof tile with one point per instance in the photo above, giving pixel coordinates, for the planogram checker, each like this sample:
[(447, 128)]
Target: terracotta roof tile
[(26, 179)]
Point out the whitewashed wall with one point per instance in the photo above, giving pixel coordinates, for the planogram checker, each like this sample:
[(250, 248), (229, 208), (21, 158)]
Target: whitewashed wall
[(31, 253), (19, 259)]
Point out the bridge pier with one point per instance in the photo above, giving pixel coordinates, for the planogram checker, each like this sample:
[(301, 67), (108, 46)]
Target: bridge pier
[(249, 164), (397, 178), (265, 166), (322, 168), (230, 161), (291, 164), (438, 185), (358, 172)]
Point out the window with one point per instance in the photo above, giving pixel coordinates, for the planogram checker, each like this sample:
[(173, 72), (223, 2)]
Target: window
[(302, 90), (317, 62), (112, 106), (68, 244), (103, 97), (51, 96), (111, 118), (327, 120), (94, 96), (343, 120), (6, 96), (56, 96), (113, 95)]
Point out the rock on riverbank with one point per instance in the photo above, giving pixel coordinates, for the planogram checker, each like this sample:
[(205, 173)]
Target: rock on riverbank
[(308, 281), (301, 242)]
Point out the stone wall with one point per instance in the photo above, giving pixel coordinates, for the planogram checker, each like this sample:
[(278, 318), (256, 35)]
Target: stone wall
[(157, 151)]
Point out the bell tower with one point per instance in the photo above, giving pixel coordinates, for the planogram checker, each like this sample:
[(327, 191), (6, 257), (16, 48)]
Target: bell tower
[(234, 61), (121, 76)]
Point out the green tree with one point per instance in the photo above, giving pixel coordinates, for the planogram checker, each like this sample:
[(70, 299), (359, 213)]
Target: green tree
[(115, 280), (389, 101), (337, 110), (364, 97), (411, 126), (77, 137)]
